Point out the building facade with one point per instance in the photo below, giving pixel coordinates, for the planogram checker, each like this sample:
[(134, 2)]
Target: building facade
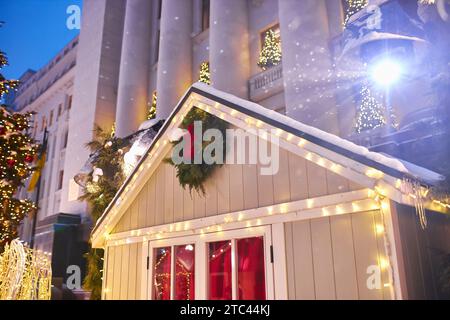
[(130, 53)]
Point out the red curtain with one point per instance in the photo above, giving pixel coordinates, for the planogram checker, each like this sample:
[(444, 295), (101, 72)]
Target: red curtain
[(184, 272), (251, 275), (161, 277), (220, 284)]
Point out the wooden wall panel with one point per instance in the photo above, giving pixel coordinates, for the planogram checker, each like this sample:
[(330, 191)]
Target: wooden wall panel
[(336, 183), (344, 258), (236, 188), (134, 214), (327, 258), (281, 185), (290, 268), (250, 180), (317, 180), (132, 270), (159, 194), (109, 258), (366, 253), (298, 179), (169, 173), (139, 276), (124, 273), (323, 259), (178, 198), (223, 189), (382, 256), (117, 272), (188, 205), (151, 202), (142, 209), (199, 205), (265, 188), (211, 196), (303, 261)]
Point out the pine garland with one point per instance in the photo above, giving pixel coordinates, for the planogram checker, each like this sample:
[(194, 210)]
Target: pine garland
[(193, 175)]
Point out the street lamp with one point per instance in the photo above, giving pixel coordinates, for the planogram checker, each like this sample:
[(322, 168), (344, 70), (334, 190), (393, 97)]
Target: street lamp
[(386, 72)]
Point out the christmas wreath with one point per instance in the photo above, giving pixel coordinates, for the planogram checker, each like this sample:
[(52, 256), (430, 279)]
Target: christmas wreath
[(191, 174)]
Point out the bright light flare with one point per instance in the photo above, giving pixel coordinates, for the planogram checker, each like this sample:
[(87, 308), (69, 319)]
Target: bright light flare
[(386, 72)]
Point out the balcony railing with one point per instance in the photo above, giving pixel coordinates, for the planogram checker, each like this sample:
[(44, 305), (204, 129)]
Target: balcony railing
[(266, 84)]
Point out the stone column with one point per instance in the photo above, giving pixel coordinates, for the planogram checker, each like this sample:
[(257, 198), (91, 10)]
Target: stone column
[(229, 46), (309, 84), (175, 55), (132, 97)]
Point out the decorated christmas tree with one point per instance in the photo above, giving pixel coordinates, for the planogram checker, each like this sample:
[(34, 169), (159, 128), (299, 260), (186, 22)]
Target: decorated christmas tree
[(371, 113), (17, 152), (271, 52), (205, 75)]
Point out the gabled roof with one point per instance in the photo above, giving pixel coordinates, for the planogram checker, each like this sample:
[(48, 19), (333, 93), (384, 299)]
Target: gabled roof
[(357, 163)]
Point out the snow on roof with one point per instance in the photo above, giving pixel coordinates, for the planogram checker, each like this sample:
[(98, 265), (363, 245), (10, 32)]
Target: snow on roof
[(388, 161)]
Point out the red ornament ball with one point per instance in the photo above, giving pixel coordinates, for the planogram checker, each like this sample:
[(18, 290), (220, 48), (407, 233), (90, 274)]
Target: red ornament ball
[(28, 158), (10, 162), (2, 131)]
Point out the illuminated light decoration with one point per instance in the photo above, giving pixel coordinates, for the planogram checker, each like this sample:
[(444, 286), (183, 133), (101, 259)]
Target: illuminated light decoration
[(353, 6), (384, 263), (25, 274), (370, 113), (379, 228), (151, 114), (17, 150), (205, 74), (386, 72), (374, 173), (271, 51)]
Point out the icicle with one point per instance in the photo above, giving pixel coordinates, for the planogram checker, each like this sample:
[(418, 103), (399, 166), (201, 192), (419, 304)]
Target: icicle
[(414, 189)]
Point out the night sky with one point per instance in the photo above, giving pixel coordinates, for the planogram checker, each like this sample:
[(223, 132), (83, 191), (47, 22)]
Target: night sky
[(33, 32)]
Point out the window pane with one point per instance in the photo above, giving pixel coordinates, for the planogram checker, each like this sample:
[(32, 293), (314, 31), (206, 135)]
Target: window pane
[(184, 272), (220, 270), (161, 271), (251, 277)]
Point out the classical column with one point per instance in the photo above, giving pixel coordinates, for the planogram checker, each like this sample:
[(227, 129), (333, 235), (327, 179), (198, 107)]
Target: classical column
[(175, 55), (308, 80), (229, 46), (132, 97)]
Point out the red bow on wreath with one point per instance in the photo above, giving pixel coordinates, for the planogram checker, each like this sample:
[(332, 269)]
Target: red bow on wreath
[(189, 156)]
